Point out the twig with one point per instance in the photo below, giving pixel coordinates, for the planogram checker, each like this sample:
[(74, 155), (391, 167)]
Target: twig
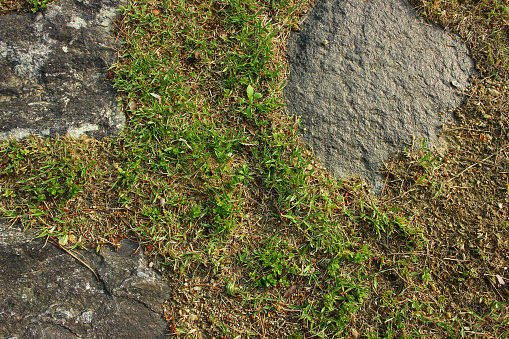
[(467, 129), (207, 285), (263, 325), (76, 257), (402, 194), (479, 333), (174, 328), (477, 163), (13, 222), (458, 260)]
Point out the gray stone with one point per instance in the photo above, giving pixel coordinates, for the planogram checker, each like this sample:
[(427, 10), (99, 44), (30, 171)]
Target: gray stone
[(367, 76), (53, 66), (46, 293)]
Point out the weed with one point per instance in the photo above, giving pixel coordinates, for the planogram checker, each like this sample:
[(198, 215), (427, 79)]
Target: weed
[(37, 5), (343, 297), (252, 96), (271, 265)]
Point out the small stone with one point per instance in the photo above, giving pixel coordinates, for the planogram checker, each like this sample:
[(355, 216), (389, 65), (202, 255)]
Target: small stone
[(192, 317), (197, 288), (493, 92), (296, 28), (325, 42), (455, 84), (434, 287), (290, 291), (500, 205)]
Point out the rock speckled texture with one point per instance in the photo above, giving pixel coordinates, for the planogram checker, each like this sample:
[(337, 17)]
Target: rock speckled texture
[(52, 70), (367, 76), (46, 293)]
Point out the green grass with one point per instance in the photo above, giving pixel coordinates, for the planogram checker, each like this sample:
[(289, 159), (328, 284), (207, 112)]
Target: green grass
[(210, 176)]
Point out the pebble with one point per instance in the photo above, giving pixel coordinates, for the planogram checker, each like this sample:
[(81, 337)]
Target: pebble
[(493, 92), (193, 317), (197, 288)]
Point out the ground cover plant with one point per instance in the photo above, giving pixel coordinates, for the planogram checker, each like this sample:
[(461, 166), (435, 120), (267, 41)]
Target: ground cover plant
[(253, 234)]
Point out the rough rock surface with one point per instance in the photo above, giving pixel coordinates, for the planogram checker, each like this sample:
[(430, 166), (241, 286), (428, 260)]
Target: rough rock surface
[(366, 76), (46, 293), (52, 70)]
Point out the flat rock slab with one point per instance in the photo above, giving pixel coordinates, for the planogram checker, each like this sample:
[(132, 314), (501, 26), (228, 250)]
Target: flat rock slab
[(46, 293), (366, 77), (52, 70)]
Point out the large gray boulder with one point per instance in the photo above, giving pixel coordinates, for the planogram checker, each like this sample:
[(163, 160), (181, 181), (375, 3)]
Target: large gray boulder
[(367, 77), (46, 293), (53, 66)]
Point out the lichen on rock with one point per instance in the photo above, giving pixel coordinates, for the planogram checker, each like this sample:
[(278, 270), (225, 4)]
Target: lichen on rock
[(53, 66)]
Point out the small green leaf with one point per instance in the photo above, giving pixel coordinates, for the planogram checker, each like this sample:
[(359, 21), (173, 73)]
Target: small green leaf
[(257, 95), (250, 92)]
